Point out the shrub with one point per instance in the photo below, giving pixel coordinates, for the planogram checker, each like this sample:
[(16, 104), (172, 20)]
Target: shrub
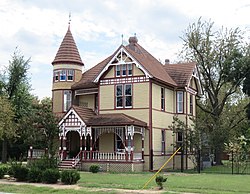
[(4, 169), (70, 177), (20, 172), (35, 175), (50, 176), (94, 168), (44, 163), (159, 180)]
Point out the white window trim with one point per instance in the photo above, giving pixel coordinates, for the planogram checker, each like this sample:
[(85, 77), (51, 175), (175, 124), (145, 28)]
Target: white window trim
[(178, 110)]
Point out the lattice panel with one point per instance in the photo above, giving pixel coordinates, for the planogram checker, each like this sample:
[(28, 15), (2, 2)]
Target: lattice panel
[(72, 120)]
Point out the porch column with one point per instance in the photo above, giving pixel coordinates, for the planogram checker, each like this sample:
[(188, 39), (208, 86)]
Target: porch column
[(126, 150), (81, 148), (90, 147), (64, 152), (84, 147), (142, 147), (132, 148)]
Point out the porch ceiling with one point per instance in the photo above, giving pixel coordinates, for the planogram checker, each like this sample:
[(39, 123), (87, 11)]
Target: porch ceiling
[(115, 119)]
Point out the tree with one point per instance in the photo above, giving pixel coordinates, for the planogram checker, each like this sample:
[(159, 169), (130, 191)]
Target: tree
[(14, 85), (46, 124), (223, 59), (7, 129)]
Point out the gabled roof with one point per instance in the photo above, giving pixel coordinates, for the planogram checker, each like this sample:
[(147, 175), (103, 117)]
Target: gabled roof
[(87, 80), (180, 72), (115, 119), (68, 52), (89, 117), (151, 64)]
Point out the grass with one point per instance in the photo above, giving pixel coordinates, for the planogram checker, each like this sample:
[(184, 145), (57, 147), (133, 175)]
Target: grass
[(177, 182)]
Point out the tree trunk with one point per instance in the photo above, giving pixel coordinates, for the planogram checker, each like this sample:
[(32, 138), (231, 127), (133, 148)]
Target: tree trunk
[(4, 151), (218, 158)]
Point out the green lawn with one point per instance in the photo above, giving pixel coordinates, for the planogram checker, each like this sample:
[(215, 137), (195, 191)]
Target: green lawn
[(177, 182)]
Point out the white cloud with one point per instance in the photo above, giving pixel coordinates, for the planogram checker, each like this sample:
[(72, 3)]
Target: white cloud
[(37, 27)]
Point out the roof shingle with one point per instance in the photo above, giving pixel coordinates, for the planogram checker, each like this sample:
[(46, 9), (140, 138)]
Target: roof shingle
[(68, 52)]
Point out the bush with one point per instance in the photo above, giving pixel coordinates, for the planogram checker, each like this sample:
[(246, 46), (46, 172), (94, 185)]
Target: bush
[(4, 169), (70, 177), (44, 163), (20, 172), (35, 175), (51, 176), (94, 168), (159, 180)]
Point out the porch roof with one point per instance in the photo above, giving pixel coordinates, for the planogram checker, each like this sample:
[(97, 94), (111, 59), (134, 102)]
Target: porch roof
[(115, 119)]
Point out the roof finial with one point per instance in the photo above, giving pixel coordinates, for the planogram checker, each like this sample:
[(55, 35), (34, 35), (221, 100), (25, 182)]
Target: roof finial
[(122, 38), (69, 18), (134, 34)]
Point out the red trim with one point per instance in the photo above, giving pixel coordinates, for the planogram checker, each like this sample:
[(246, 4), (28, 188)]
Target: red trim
[(124, 109), (150, 127), (154, 109)]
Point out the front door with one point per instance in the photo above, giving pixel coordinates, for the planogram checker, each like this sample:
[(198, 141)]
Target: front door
[(73, 144)]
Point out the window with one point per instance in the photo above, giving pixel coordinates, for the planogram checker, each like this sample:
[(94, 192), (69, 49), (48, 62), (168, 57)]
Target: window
[(119, 147), (118, 71), (191, 104), (128, 95), (56, 76), (179, 137), (63, 75), (180, 103), (163, 142), (124, 69), (124, 96), (67, 100), (70, 75), (129, 69), (119, 95), (162, 99)]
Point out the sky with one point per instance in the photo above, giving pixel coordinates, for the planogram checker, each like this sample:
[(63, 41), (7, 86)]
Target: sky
[(37, 28)]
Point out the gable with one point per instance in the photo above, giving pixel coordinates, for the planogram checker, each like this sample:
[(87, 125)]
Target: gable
[(121, 57), (71, 119)]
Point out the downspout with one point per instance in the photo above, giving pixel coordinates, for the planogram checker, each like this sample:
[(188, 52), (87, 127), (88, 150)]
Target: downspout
[(186, 153)]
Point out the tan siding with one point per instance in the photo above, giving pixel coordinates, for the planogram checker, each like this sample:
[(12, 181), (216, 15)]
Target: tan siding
[(78, 75), (161, 119), (110, 73), (106, 142), (57, 101), (142, 114), (169, 97), (107, 97), (141, 95), (156, 97), (67, 66), (87, 101), (137, 143), (137, 71)]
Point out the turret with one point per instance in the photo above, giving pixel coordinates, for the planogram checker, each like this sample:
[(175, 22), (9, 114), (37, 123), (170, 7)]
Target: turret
[(67, 70)]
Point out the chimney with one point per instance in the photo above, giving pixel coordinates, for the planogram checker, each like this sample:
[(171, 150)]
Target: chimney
[(167, 61)]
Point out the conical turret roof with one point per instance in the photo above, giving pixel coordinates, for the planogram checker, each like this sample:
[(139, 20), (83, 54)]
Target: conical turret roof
[(68, 52)]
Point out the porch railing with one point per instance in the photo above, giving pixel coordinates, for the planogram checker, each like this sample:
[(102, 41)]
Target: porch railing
[(77, 159), (110, 156)]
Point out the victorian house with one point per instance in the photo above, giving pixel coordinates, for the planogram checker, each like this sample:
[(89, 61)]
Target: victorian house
[(117, 114)]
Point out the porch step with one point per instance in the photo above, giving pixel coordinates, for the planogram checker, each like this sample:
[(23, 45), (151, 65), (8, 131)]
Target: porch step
[(66, 164)]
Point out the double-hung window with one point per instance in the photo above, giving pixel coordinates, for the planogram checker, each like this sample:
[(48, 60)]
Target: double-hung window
[(70, 75), (180, 102), (163, 142), (63, 75), (162, 99), (56, 76), (124, 70), (129, 69), (67, 100), (191, 104), (118, 71), (124, 96)]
